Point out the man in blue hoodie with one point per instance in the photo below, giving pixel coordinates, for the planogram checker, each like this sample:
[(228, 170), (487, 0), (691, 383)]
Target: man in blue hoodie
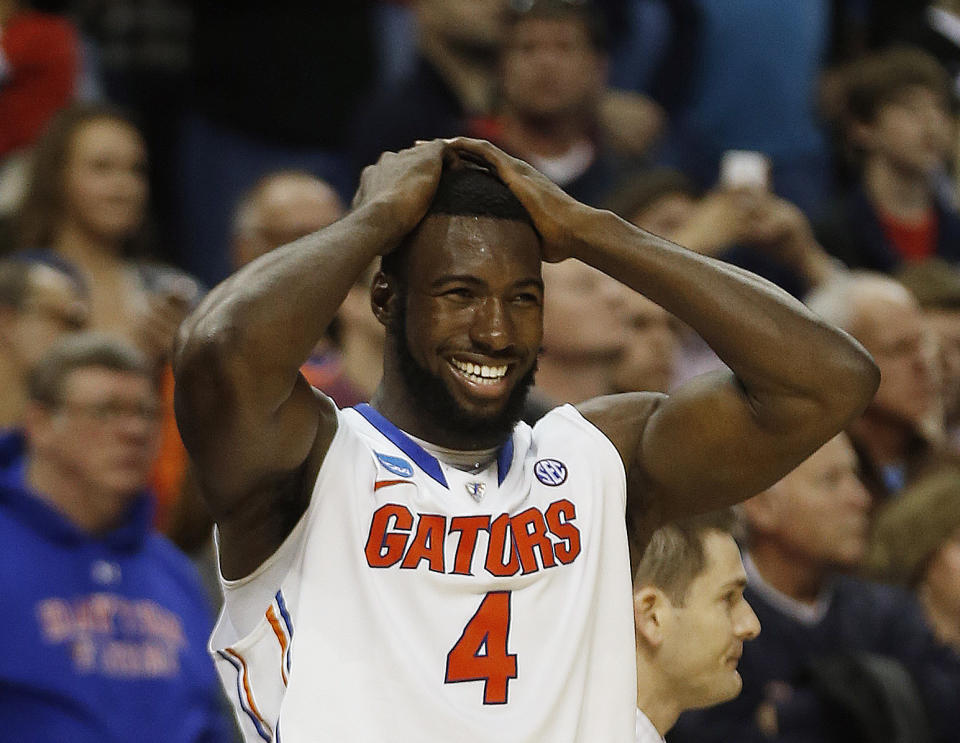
[(105, 622)]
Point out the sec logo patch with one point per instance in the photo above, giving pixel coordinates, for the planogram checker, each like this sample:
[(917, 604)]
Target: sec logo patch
[(550, 472), (396, 465)]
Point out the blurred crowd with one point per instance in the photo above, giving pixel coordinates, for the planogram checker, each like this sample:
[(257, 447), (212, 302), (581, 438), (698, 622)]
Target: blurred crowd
[(149, 148)]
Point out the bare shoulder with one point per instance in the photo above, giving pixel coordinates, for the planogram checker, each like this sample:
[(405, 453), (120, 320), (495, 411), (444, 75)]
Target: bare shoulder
[(622, 419)]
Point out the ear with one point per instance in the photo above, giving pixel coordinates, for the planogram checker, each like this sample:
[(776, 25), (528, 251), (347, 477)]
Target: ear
[(762, 511), (37, 423), (650, 609), (383, 297)]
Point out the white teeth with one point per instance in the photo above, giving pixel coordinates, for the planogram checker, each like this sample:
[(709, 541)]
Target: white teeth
[(487, 374)]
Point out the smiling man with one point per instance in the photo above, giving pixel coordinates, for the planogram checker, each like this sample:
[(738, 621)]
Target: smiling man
[(425, 567)]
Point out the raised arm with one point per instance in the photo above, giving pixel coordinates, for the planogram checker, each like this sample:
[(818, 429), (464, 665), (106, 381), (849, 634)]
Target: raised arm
[(255, 429), (795, 381)]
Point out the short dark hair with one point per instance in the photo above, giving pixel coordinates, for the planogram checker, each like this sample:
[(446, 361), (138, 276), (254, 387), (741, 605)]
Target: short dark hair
[(583, 11), (877, 79), (463, 191), (674, 556), (15, 273), (46, 380)]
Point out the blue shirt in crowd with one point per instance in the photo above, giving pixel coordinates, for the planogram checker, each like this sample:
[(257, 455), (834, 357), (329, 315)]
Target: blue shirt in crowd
[(104, 635)]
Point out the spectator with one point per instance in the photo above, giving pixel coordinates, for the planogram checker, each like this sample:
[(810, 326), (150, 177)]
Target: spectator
[(748, 227), (650, 346), (87, 202), (282, 207), (691, 620), (38, 76), (107, 622), (805, 533), (453, 86), (936, 286), (41, 299), (553, 71), (139, 55), (896, 120), (38, 72), (582, 331), (916, 543), (897, 437)]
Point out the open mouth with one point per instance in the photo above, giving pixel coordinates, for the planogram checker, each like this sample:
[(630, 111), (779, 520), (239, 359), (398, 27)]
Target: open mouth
[(480, 373)]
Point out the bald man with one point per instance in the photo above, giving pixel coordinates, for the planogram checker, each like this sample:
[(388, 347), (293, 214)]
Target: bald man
[(282, 207)]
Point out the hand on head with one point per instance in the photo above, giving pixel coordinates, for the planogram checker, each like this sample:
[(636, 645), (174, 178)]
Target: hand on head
[(549, 206), (406, 181)]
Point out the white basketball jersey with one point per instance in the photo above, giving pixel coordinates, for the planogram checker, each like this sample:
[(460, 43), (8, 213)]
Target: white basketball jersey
[(417, 602)]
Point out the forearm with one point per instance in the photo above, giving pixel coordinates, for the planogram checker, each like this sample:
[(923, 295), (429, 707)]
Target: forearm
[(770, 340), (272, 312)]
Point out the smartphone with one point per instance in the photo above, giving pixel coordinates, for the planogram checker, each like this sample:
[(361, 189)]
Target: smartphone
[(745, 169)]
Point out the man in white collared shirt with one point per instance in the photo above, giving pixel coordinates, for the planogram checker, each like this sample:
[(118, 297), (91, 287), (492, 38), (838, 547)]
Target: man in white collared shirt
[(691, 621)]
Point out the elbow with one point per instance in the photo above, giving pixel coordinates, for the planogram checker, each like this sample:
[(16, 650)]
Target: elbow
[(201, 351), (853, 380)]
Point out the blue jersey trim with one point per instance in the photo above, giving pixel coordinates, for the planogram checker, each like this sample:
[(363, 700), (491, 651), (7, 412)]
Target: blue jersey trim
[(253, 718), (427, 462), (286, 620), (504, 460), (424, 460)]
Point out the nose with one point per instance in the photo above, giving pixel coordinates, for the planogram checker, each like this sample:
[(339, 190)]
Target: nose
[(748, 625), (856, 493), (135, 426), (492, 327)]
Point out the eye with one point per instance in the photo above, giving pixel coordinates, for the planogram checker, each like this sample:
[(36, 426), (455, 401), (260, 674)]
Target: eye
[(459, 292), (732, 598), (527, 298)]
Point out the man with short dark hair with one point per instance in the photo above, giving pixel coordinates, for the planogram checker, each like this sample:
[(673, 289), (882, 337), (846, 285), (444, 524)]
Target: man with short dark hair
[(898, 124), (427, 551), (106, 622), (552, 81), (692, 621)]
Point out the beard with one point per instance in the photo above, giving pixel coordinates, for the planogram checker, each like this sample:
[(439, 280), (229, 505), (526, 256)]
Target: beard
[(436, 402)]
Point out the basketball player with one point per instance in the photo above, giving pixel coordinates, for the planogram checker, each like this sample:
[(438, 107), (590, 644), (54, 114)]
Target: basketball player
[(424, 568)]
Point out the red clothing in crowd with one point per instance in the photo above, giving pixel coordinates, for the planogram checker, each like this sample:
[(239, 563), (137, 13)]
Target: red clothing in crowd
[(39, 59)]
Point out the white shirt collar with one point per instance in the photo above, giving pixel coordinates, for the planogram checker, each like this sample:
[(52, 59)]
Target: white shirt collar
[(803, 613), (646, 732)]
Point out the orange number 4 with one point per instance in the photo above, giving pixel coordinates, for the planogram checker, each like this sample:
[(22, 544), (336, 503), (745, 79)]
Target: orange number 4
[(481, 652)]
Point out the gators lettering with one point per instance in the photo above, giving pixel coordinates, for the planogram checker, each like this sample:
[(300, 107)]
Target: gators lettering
[(529, 541)]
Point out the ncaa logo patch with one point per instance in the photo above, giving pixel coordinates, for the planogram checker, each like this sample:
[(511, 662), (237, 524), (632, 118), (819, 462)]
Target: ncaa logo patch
[(396, 465), (550, 472)]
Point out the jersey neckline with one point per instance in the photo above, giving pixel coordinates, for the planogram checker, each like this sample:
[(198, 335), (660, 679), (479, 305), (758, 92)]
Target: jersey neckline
[(421, 457)]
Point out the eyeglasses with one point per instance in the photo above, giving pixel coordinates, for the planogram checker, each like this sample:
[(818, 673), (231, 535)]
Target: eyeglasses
[(113, 411), (71, 318)]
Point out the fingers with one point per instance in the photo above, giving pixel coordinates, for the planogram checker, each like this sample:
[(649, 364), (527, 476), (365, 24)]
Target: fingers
[(479, 152)]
